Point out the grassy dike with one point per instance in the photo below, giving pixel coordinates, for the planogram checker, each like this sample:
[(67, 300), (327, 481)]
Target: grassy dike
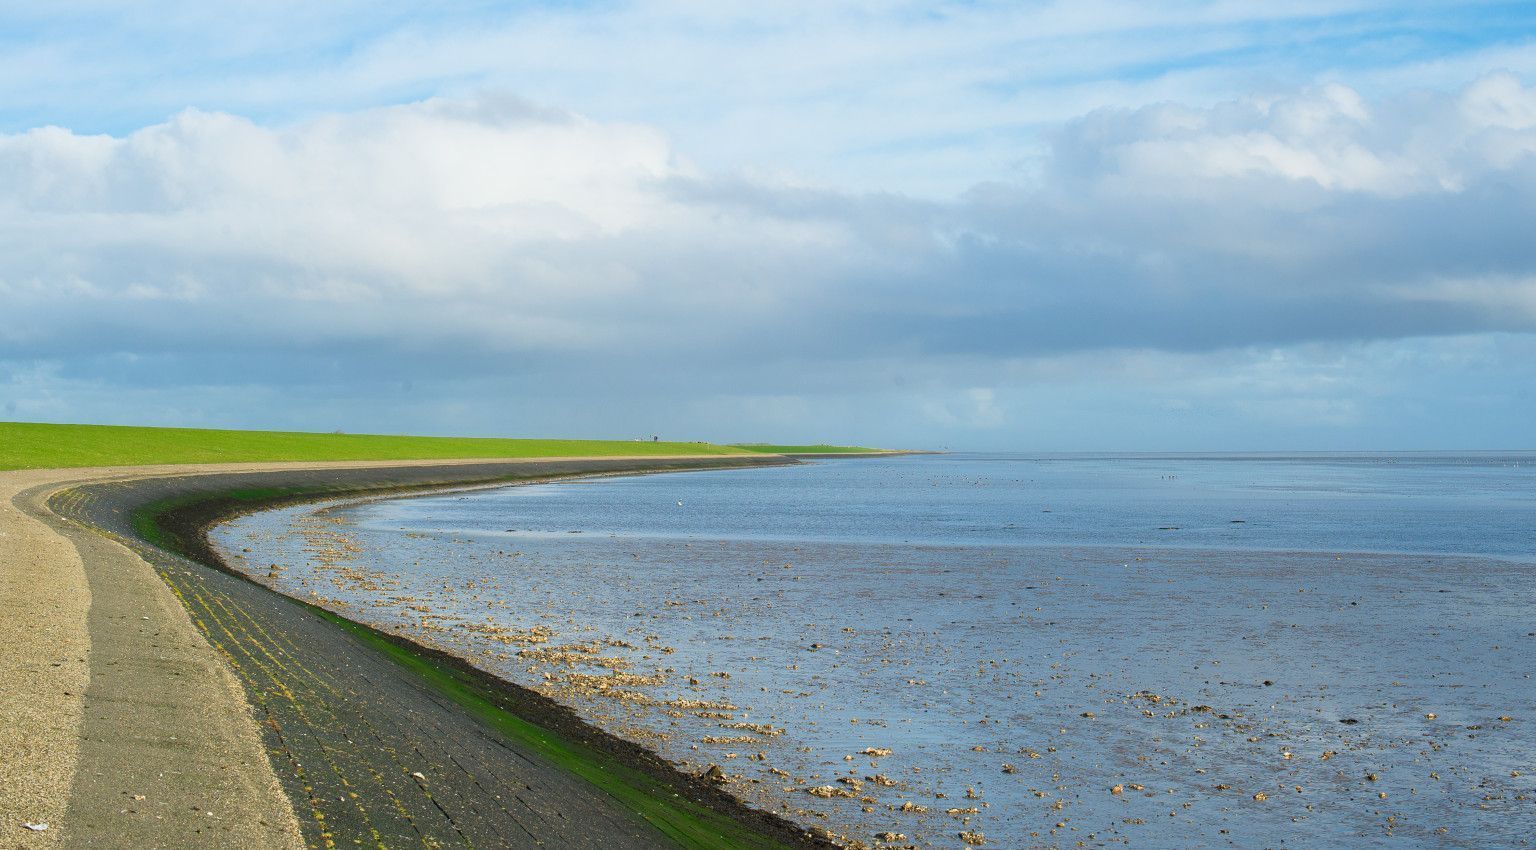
[(690, 811), (33, 445)]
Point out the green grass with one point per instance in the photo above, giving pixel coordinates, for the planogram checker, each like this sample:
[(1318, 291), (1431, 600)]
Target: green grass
[(146, 518), (802, 450), (30, 445), (689, 824)]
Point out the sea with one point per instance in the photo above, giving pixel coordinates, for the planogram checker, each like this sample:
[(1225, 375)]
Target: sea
[(1003, 650)]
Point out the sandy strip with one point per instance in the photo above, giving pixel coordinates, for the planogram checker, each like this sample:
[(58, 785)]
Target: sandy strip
[(119, 724), (44, 668)]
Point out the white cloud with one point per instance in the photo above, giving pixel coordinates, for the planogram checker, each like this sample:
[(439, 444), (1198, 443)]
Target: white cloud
[(486, 223), (1330, 137)]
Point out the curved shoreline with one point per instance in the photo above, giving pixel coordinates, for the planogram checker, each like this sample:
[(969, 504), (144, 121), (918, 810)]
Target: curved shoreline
[(492, 715)]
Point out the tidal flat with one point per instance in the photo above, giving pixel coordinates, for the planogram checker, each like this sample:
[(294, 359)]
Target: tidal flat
[(1221, 650)]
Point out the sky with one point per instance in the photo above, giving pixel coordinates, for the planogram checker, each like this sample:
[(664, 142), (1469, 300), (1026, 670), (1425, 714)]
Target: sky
[(1028, 226)]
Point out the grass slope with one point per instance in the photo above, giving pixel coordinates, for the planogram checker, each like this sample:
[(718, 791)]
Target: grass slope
[(31, 445), (802, 450), (689, 824)]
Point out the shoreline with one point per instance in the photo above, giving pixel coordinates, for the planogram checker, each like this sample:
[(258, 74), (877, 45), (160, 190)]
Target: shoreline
[(1308, 714), (881, 453), (176, 511)]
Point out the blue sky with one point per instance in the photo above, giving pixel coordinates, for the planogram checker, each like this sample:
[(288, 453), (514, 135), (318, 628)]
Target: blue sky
[(1035, 226)]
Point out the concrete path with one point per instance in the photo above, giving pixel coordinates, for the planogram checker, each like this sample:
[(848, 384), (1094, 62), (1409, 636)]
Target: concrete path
[(123, 727), (44, 668)]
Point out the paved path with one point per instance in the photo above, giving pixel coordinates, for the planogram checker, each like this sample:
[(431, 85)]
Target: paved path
[(44, 669), (122, 726), (190, 706)]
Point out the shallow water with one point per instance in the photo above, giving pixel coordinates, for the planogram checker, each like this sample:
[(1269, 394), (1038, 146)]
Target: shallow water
[(1064, 649)]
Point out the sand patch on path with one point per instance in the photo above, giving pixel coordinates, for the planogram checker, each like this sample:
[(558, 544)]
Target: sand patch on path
[(44, 667)]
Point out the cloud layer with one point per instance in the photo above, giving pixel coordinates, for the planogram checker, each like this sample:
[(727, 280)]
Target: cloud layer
[(921, 97), (522, 249)]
